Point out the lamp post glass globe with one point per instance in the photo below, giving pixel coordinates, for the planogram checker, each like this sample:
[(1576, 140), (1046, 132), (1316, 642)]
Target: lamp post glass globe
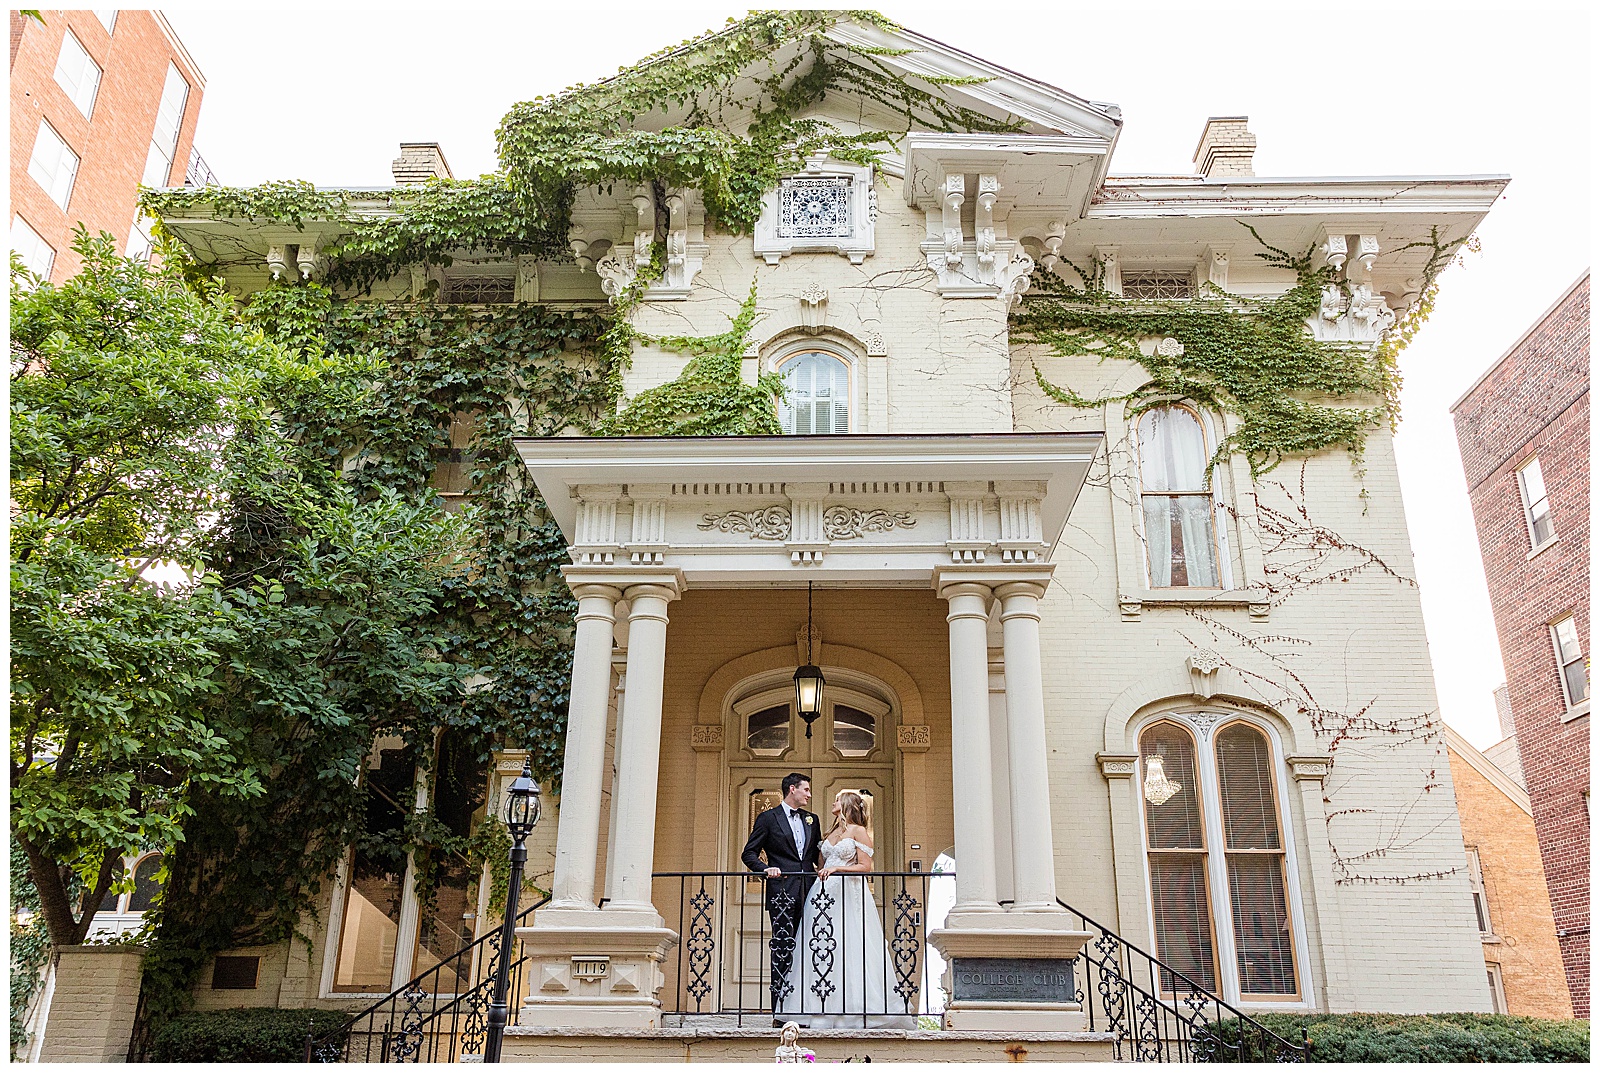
[(522, 805)]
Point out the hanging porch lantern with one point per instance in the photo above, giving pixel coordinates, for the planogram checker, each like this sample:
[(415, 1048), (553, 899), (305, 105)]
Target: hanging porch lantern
[(808, 680)]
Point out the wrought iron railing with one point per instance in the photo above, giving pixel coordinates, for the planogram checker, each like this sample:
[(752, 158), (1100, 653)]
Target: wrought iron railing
[(198, 173), (430, 1019), (1155, 1013), (759, 949)]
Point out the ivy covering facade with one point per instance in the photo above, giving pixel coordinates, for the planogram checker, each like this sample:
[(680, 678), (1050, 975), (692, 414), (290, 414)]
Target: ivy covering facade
[(692, 117)]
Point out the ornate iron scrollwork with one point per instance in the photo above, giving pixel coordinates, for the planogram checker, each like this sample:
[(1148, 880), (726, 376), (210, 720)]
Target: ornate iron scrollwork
[(905, 946), (701, 945), (823, 943)]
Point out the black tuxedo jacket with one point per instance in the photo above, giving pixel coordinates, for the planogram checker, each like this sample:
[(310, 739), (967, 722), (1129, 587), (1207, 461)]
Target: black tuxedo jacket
[(772, 836)]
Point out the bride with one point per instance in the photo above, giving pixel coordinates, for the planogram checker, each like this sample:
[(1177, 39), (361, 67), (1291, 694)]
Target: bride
[(841, 975)]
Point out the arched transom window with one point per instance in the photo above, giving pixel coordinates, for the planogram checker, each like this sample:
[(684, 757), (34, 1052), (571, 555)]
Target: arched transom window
[(1214, 841), (1175, 490), (818, 398)]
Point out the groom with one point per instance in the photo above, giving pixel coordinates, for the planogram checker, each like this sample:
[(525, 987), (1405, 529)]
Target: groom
[(790, 837)]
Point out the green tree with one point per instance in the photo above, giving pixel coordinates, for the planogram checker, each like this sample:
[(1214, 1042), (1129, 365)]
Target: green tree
[(148, 438)]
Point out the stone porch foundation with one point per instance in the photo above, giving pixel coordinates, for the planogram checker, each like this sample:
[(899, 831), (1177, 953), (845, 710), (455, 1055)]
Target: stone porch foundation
[(757, 1045)]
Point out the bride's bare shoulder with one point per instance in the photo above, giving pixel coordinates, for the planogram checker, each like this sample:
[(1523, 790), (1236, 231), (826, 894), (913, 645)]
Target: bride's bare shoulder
[(860, 834)]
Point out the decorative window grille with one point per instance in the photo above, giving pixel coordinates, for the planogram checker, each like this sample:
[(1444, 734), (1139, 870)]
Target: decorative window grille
[(36, 253), (1157, 286), (1535, 503), (1180, 529), (77, 74), (1569, 655), (53, 165), (479, 290), (814, 207), (818, 400), (1182, 824)]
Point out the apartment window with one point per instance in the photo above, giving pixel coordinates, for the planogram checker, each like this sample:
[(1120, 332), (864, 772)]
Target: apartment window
[(1535, 504), (53, 165), (1569, 655), (140, 241), (1157, 286), (169, 120), (77, 74), (108, 19), (1480, 897), (1497, 987), (818, 398), (479, 290), (1198, 801), (36, 253), (1180, 529)]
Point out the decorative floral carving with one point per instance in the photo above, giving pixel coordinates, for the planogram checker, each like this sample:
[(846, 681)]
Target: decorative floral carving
[(848, 523), (616, 271), (705, 736), (1169, 348), (769, 523), (1202, 721), (913, 736), (1206, 661)]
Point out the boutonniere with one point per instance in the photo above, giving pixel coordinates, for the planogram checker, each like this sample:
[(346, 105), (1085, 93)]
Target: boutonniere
[(808, 821)]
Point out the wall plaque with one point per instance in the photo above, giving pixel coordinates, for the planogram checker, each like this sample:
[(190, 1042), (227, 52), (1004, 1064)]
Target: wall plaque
[(1014, 979)]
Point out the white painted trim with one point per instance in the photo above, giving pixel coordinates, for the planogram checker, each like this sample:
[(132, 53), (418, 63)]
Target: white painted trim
[(1486, 767), (560, 464), (1216, 851)]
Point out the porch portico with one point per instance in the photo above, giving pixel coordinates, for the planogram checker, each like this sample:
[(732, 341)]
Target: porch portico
[(649, 519)]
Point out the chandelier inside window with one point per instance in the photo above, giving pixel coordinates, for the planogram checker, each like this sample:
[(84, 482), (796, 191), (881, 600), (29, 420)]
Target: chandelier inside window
[(1158, 789)]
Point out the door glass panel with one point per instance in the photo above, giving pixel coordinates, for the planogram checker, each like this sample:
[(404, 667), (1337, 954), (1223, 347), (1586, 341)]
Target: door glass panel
[(145, 887), (767, 732), (109, 903), (460, 784), (377, 869), (855, 732)]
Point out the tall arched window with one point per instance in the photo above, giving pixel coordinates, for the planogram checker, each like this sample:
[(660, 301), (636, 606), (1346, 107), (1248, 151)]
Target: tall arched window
[(1175, 489), (818, 397), (1223, 796)]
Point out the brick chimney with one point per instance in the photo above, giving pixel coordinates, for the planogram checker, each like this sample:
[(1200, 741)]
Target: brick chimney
[(418, 162), (1226, 148)]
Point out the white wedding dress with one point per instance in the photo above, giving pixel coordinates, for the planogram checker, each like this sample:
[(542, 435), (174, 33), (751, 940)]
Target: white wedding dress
[(841, 975)]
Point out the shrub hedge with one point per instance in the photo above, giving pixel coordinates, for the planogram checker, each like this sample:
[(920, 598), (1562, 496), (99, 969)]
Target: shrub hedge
[(1439, 1037), (246, 1034)]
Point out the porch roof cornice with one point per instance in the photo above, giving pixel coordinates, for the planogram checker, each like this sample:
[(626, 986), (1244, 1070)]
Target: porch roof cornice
[(560, 465)]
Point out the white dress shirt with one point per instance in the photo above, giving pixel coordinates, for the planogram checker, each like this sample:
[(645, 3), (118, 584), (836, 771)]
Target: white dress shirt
[(797, 827)]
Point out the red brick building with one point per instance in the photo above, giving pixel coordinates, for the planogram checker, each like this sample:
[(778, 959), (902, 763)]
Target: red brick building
[(1523, 429), (100, 102)]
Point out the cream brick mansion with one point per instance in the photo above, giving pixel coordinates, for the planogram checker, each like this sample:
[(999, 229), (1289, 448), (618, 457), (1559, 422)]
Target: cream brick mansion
[(1129, 698)]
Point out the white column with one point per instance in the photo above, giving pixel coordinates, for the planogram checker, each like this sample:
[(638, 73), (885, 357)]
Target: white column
[(1000, 769), (969, 742), (639, 749), (583, 769), (1033, 856)]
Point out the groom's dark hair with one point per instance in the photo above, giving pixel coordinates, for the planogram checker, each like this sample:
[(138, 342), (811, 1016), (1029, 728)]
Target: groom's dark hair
[(793, 779)]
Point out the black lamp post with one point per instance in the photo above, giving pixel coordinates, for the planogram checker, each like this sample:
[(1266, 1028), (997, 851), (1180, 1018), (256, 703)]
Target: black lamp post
[(808, 680), (522, 816)]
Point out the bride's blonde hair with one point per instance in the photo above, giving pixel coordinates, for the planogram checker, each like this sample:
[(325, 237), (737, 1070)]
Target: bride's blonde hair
[(852, 808)]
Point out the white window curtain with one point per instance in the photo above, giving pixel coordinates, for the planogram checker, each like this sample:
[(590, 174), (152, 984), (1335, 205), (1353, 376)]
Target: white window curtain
[(818, 398), (1179, 521)]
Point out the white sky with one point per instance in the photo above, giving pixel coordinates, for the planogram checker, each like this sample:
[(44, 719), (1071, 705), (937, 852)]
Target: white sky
[(328, 95)]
